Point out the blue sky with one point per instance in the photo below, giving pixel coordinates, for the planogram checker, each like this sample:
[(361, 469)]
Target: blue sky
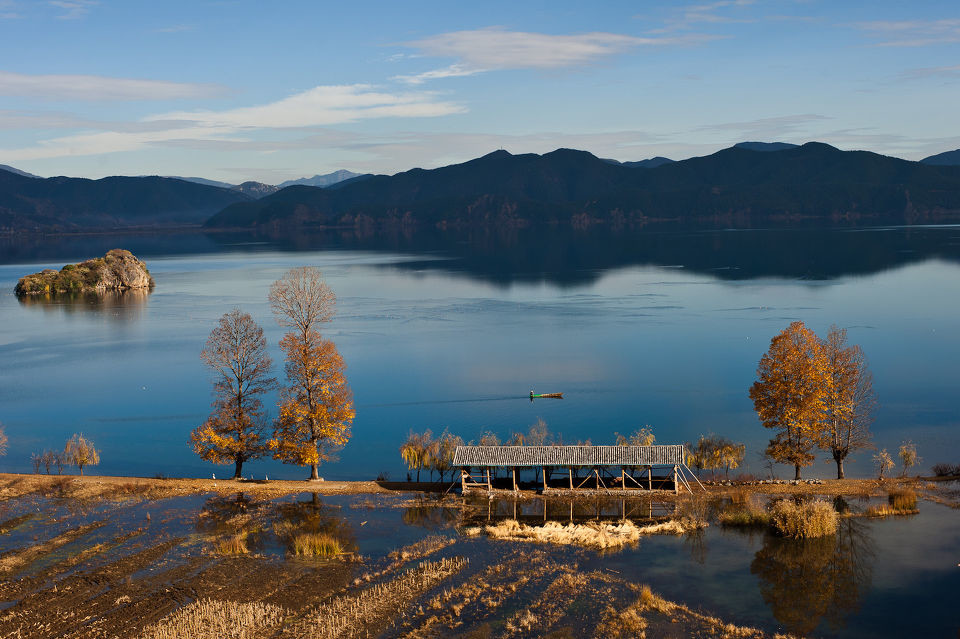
[(237, 90)]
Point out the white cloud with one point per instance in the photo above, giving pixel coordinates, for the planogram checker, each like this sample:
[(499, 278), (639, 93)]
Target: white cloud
[(496, 48), (322, 106), (913, 33), (318, 107), (73, 9), (95, 87), (453, 71)]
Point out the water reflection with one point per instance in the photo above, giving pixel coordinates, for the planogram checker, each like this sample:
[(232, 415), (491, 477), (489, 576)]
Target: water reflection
[(569, 257), (119, 306), (809, 581), (537, 510), (266, 526)]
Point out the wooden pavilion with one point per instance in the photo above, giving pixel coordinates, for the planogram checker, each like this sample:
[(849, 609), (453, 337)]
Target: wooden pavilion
[(601, 468)]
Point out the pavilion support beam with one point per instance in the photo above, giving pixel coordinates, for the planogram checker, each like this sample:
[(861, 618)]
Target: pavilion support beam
[(489, 484), (544, 473), (676, 489), (514, 480), (570, 470), (463, 480)]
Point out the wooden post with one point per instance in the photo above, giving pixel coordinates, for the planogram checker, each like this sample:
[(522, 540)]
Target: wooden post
[(570, 470), (514, 480), (675, 489), (543, 472), (649, 477), (623, 479), (489, 485), (463, 481)]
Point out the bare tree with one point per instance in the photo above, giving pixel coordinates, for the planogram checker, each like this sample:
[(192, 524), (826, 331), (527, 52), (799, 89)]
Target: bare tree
[(236, 352), (850, 400), (3, 440), (301, 300), (908, 456)]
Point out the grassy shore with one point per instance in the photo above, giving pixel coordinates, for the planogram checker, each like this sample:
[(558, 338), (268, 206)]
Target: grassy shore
[(13, 485)]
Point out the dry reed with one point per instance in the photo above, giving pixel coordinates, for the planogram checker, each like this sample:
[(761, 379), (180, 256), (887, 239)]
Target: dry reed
[(354, 615), (210, 619), (899, 502), (315, 545), (590, 535), (810, 519)]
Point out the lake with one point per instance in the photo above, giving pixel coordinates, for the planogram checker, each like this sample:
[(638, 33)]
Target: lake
[(662, 328)]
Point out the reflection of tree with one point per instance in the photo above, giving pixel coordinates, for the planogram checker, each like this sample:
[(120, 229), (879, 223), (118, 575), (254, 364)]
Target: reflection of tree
[(807, 581), (311, 516), (430, 515), (232, 515), (696, 541)]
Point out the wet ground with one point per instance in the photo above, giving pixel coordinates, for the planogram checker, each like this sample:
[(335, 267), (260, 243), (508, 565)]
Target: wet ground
[(140, 564)]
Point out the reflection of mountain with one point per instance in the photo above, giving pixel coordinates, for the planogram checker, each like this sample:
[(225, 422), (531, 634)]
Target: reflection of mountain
[(569, 257), (805, 582), (120, 306)]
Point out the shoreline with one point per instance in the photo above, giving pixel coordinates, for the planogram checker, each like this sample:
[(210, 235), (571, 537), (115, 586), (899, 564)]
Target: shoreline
[(13, 485)]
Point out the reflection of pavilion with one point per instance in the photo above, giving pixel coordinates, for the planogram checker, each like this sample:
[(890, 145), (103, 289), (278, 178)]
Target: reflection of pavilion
[(605, 469), (569, 507)]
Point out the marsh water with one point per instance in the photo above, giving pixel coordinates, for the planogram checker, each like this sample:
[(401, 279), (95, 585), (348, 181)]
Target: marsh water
[(875, 577), (658, 327)]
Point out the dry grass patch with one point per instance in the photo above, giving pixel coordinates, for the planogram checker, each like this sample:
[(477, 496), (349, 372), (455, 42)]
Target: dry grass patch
[(899, 502), (807, 520), (209, 619), (599, 535), (231, 545), (368, 611), (311, 544)]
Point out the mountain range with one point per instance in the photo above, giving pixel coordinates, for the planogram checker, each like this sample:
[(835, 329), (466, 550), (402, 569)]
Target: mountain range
[(749, 183), (735, 186)]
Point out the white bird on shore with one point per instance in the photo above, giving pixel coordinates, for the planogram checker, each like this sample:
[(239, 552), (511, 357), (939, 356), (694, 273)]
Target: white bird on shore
[(265, 478), (214, 475)]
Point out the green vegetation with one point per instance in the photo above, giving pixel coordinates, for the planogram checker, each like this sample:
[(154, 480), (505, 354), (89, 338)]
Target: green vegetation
[(805, 520)]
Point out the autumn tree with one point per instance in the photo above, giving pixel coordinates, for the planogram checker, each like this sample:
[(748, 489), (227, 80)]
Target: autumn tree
[(908, 456), (539, 434), (641, 437), (730, 455), (790, 395), (883, 462), (301, 300), (850, 400), (316, 404), (236, 352), (80, 452)]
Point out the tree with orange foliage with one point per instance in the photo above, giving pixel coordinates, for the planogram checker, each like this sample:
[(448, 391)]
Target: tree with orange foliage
[(236, 351), (316, 406), (790, 395)]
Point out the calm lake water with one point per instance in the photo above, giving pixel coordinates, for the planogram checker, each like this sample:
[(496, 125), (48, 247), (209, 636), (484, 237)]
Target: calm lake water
[(660, 327)]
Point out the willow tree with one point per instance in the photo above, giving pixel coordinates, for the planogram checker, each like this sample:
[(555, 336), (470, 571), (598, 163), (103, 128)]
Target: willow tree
[(316, 404), (790, 395), (416, 451), (236, 352), (81, 452), (850, 400)]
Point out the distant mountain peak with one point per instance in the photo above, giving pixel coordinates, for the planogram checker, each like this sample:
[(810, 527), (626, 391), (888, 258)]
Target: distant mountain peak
[(327, 179), (16, 171), (765, 147), (947, 158)]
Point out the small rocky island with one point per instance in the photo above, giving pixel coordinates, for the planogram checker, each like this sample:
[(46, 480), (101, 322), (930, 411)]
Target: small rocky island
[(118, 270)]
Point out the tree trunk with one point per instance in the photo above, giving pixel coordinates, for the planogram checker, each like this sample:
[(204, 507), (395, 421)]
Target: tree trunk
[(797, 467), (238, 468), (840, 468), (418, 475), (314, 475)]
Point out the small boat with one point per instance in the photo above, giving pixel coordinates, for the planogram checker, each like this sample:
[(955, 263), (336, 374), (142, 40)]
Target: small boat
[(545, 395)]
